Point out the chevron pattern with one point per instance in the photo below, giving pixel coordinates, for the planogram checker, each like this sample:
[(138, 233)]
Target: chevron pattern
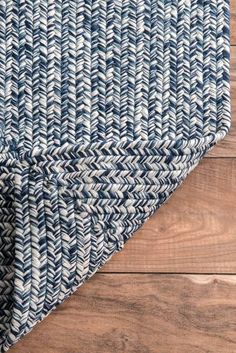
[(105, 108)]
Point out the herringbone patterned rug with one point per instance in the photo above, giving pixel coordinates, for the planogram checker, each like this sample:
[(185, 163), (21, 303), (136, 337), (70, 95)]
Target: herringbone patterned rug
[(105, 107)]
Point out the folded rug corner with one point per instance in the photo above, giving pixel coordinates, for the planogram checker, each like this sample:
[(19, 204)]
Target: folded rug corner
[(105, 108)]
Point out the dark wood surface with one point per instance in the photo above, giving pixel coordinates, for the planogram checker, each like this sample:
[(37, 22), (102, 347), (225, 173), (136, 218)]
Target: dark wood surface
[(195, 231), (177, 296), (148, 313)]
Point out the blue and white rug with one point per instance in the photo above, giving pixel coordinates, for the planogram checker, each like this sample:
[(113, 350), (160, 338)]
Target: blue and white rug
[(105, 107)]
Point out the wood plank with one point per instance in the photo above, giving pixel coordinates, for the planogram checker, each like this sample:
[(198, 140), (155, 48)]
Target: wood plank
[(233, 22), (193, 232), (227, 147), (141, 314)]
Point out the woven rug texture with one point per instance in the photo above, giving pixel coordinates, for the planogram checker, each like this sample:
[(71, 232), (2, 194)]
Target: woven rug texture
[(105, 108)]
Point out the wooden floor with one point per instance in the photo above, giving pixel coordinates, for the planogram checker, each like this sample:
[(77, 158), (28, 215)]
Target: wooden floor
[(176, 296)]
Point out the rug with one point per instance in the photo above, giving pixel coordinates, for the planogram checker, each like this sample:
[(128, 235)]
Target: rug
[(105, 108)]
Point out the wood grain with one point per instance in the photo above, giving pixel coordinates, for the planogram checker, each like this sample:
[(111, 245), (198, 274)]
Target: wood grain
[(141, 314), (195, 231)]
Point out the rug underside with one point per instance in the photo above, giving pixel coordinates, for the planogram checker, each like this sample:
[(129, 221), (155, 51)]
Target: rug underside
[(105, 108)]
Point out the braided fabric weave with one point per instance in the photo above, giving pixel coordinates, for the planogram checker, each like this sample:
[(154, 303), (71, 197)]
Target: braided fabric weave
[(105, 107)]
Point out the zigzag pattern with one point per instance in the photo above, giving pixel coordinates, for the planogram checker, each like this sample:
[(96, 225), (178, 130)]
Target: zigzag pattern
[(105, 107)]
